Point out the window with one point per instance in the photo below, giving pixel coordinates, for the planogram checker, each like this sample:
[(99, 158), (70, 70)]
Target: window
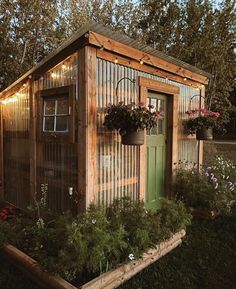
[(56, 114)]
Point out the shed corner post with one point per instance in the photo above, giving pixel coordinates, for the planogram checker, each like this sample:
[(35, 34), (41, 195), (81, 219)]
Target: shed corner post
[(32, 104), (200, 142), (1, 155), (143, 94), (87, 130)]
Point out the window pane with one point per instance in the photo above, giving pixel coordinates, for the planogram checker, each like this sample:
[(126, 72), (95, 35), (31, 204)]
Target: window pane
[(62, 123), (48, 123), (160, 125), (62, 106), (160, 105), (49, 107)]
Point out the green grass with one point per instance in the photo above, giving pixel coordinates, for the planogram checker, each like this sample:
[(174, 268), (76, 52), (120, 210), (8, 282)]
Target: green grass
[(205, 260)]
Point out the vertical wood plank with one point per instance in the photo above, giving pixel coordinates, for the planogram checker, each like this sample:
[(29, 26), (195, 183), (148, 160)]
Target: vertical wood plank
[(172, 141), (200, 142), (33, 157), (142, 159), (1, 156), (87, 138)]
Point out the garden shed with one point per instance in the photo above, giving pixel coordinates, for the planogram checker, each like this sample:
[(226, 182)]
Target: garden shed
[(52, 137)]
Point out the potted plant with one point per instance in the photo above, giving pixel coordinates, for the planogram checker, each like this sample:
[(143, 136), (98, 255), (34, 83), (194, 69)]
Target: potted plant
[(130, 121), (201, 122)]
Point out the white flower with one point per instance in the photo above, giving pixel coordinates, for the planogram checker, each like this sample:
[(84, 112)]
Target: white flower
[(40, 223), (131, 256), (94, 221)]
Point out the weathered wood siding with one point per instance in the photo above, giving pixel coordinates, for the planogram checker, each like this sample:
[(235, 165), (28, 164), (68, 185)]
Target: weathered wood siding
[(118, 165)]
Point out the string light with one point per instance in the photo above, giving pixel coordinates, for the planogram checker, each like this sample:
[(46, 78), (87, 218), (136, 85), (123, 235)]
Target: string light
[(116, 60), (53, 74), (63, 66), (141, 61), (185, 79)]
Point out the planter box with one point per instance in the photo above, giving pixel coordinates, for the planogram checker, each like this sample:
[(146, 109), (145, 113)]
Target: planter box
[(111, 279)]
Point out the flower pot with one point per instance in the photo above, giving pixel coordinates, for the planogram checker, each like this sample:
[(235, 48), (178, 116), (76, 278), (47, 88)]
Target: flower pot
[(135, 138), (204, 134)]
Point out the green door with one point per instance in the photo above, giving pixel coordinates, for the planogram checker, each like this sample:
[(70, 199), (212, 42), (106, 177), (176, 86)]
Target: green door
[(156, 153)]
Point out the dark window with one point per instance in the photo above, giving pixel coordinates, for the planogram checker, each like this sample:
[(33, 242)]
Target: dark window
[(56, 114)]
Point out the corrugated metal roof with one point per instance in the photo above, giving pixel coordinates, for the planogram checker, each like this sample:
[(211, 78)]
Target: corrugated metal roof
[(117, 36)]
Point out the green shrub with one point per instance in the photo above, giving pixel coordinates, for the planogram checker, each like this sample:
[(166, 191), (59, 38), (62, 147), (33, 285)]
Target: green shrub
[(95, 241), (210, 188)]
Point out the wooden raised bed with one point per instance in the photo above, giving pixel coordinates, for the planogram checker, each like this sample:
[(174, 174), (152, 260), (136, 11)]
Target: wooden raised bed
[(111, 279)]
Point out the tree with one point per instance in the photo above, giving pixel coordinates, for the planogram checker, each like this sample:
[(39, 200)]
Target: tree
[(28, 31), (198, 33)]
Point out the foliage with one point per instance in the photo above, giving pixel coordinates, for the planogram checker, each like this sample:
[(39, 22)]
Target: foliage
[(202, 261), (206, 259), (131, 117), (205, 119), (210, 188), (6, 213), (170, 25), (95, 241)]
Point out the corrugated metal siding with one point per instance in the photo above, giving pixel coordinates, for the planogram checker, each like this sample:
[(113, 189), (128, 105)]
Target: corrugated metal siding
[(57, 161), (15, 113), (118, 164)]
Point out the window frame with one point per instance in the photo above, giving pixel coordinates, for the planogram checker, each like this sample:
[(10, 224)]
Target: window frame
[(56, 93)]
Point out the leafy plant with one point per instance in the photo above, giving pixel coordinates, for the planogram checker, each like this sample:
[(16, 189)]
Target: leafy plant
[(95, 241), (205, 119), (210, 188), (131, 117)]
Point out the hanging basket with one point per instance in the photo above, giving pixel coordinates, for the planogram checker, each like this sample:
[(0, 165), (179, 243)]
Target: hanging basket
[(204, 134), (133, 138)]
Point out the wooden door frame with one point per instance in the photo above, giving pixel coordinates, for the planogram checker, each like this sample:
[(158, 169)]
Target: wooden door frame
[(1, 155), (172, 93)]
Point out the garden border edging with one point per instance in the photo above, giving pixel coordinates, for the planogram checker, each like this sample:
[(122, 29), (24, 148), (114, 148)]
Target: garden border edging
[(109, 280)]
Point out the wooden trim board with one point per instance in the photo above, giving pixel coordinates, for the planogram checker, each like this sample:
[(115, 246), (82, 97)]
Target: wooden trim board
[(125, 61), (109, 280), (33, 142), (1, 156), (87, 131), (109, 44)]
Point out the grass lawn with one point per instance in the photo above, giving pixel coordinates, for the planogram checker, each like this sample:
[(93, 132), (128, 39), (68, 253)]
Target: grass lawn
[(205, 260)]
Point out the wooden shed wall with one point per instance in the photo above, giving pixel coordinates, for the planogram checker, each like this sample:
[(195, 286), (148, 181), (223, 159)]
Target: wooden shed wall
[(56, 161), (118, 165)]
